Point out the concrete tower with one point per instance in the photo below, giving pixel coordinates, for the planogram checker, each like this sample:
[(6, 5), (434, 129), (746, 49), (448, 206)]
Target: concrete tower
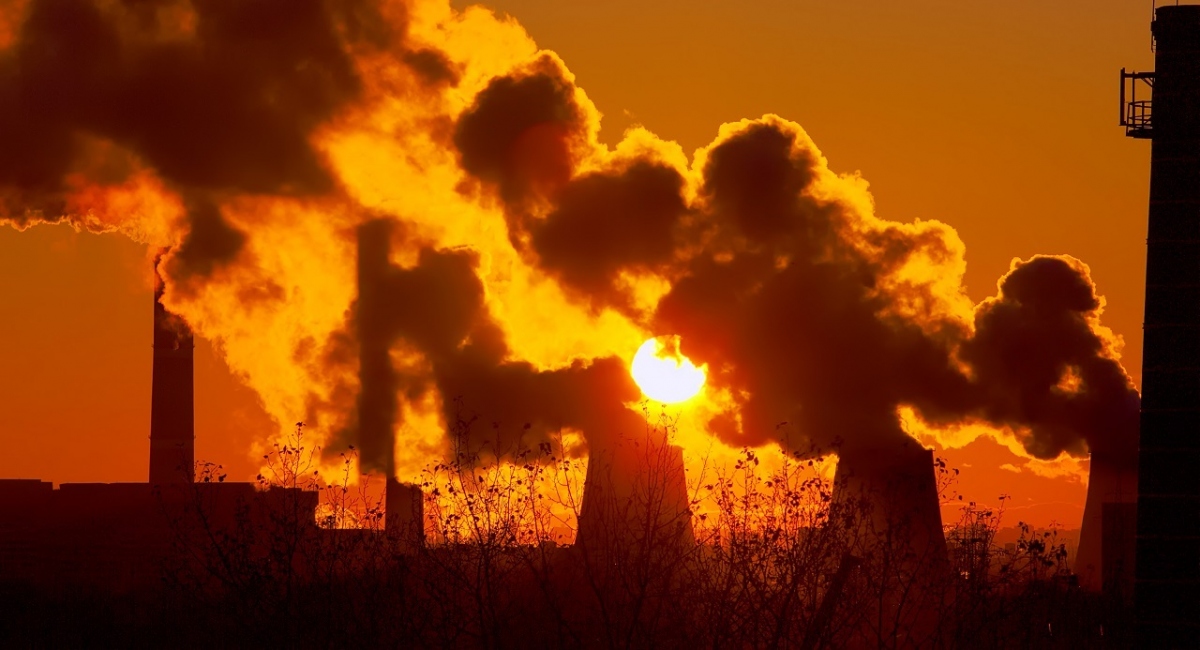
[(892, 495), (1111, 497), (635, 497), (885, 502), (1167, 588)]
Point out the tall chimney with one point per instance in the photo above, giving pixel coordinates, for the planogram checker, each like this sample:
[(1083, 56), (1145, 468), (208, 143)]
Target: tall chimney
[(1167, 589), (172, 412)]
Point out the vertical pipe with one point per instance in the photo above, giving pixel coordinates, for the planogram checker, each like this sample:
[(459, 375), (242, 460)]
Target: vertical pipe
[(1122, 97)]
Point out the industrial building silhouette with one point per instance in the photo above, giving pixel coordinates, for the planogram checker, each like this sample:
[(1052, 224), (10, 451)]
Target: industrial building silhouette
[(114, 537), (117, 537)]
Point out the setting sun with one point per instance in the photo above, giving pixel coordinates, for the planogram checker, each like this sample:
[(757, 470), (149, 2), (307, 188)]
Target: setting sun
[(664, 374), (370, 285)]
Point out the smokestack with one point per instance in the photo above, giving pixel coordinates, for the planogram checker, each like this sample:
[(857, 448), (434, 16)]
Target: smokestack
[(172, 412), (1167, 589), (1110, 482)]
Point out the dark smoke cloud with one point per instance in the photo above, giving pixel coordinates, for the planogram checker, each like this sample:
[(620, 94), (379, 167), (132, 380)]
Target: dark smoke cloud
[(794, 301), (224, 100), (522, 130), (1038, 334), (433, 67), (217, 98), (217, 101), (210, 242), (608, 222), (790, 317), (521, 137), (437, 308), (445, 317), (755, 183)]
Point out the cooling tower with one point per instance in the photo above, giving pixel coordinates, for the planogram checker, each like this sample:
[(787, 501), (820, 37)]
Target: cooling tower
[(635, 496), (172, 416), (1118, 537), (1167, 590), (890, 496), (885, 502), (1110, 482)]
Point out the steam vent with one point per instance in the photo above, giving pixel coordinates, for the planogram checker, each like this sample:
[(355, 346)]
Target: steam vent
[(1167, 588)]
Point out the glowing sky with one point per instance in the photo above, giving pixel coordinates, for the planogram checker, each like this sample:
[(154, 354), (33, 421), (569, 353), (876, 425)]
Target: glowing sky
[(998, 119)]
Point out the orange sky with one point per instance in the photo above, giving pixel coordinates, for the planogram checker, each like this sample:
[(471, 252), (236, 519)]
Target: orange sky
[(996, 118)]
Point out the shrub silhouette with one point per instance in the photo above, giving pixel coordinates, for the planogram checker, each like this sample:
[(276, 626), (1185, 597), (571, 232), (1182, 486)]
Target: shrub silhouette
[(767, 561)]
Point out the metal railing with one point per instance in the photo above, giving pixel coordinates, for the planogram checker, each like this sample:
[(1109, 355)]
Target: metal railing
[(1136, 113), (1138, 122)]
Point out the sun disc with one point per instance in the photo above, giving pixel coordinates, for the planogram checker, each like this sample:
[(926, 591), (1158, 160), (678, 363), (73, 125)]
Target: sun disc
[(665, 376)]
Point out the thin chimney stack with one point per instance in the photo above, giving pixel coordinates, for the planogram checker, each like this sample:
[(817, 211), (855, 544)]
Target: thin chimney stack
[(172, 411)]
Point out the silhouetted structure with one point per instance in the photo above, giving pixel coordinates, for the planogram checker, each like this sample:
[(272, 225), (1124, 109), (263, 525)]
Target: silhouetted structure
[(887, 501), (377, 404), (1117, 549), (172, 415), (404, 518), (635, 493), (1167, 590), (115, 537), (894, 492), (1111, 482)]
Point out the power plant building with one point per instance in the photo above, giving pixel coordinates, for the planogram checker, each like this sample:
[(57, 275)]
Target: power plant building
[(115, 536)]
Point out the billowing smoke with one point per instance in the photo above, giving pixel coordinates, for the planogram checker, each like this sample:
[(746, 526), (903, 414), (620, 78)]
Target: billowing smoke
[(436, 308), (527, 260), (199, 101), (797, 298), (1046, 364)]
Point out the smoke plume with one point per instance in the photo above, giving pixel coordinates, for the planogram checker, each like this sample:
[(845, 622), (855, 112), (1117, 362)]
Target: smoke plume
[(527, 261)]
